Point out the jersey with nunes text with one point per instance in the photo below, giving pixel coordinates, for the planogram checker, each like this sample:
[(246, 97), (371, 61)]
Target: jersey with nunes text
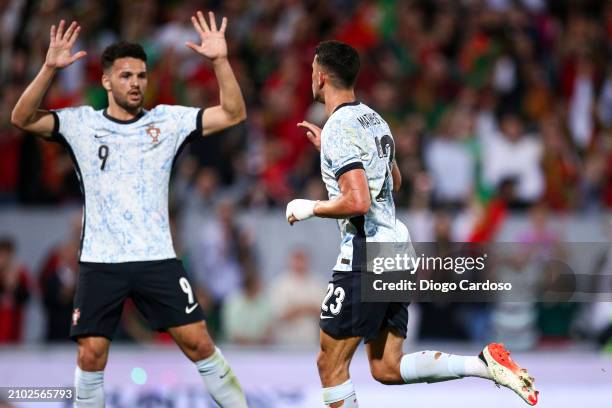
[(124, 169), (356, 137)]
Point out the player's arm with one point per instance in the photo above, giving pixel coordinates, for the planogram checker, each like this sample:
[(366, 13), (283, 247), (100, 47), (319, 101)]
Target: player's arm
[(231, 109), (354, 200), (397, 176), (26, 114)]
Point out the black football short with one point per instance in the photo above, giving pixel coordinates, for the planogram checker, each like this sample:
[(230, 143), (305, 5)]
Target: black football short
[(160, 290), (343, 314)]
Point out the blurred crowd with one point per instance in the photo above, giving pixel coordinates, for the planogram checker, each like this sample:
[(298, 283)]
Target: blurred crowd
[(244, 308), (481, 95), (495, 106)]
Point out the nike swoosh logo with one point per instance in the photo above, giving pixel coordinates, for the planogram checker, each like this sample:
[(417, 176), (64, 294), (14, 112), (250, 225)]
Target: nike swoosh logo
[(226, 373), (189, 309), (326, 317)]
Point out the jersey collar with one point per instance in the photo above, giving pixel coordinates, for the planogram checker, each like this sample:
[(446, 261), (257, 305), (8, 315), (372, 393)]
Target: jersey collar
[(342, 105), (124, 122)]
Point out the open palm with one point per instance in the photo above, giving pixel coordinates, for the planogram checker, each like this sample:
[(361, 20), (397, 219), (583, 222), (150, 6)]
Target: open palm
[(213, 44), (60, 46)]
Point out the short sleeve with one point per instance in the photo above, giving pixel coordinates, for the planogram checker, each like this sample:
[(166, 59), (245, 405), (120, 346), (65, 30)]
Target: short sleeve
[(67, 123), (188, 121), (342, 147)]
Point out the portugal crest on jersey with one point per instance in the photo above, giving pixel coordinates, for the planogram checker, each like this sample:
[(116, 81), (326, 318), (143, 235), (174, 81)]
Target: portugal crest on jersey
[(153, 133)]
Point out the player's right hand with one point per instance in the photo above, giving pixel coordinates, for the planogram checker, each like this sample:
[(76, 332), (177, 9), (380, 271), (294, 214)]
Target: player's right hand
[(299, 210), (313, 133), (59, 54)]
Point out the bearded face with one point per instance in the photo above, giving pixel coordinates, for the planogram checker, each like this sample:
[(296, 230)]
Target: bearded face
[(126, 82)]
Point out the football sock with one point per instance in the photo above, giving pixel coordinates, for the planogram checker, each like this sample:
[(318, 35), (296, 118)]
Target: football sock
[(221, 382), (89, 387), (344, 392), (434, 366)]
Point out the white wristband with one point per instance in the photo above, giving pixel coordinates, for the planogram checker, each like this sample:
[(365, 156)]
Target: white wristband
[(300, 209)]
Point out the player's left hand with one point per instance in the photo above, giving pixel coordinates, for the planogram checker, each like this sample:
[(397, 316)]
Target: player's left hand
[(313, 133), (299, 210), (213, 45)]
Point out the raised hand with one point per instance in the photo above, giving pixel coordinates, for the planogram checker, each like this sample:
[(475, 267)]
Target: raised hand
[(313, 133), (213, 44), (59, 54)]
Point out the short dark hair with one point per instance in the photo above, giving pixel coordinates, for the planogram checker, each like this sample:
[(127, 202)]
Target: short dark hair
[(340, 60), (122, 49)]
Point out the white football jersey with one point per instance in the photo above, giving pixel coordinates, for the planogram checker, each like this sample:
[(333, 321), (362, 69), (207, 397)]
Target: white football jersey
[(356, 137), (124, 169)]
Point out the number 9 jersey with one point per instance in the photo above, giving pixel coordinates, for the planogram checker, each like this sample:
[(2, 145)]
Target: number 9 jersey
[(356, 137), (124, 170)]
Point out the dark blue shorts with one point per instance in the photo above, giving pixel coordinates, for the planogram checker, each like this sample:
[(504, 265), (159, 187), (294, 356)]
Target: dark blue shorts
[(160, 290), (343, 314)]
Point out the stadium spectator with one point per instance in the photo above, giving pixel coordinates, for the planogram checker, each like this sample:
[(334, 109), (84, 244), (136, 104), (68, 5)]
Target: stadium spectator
[(438, 319), (582, 75), (596, 180), (420, 60), (201, 196), (513, 321), (512, 154), (15, 288), (296, 301), (58, 280), (561, 166), (10, 149), (544, 242), (247, 314), (219, 259), (448, 153), (523, 265)]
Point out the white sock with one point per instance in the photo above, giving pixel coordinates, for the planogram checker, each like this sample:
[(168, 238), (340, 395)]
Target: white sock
[(89, 389), (434, 366), (221, 382), (344, 392)]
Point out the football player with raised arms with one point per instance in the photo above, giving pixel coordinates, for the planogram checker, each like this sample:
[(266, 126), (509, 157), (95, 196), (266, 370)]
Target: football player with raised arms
[(360, 173), (123, 156)]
